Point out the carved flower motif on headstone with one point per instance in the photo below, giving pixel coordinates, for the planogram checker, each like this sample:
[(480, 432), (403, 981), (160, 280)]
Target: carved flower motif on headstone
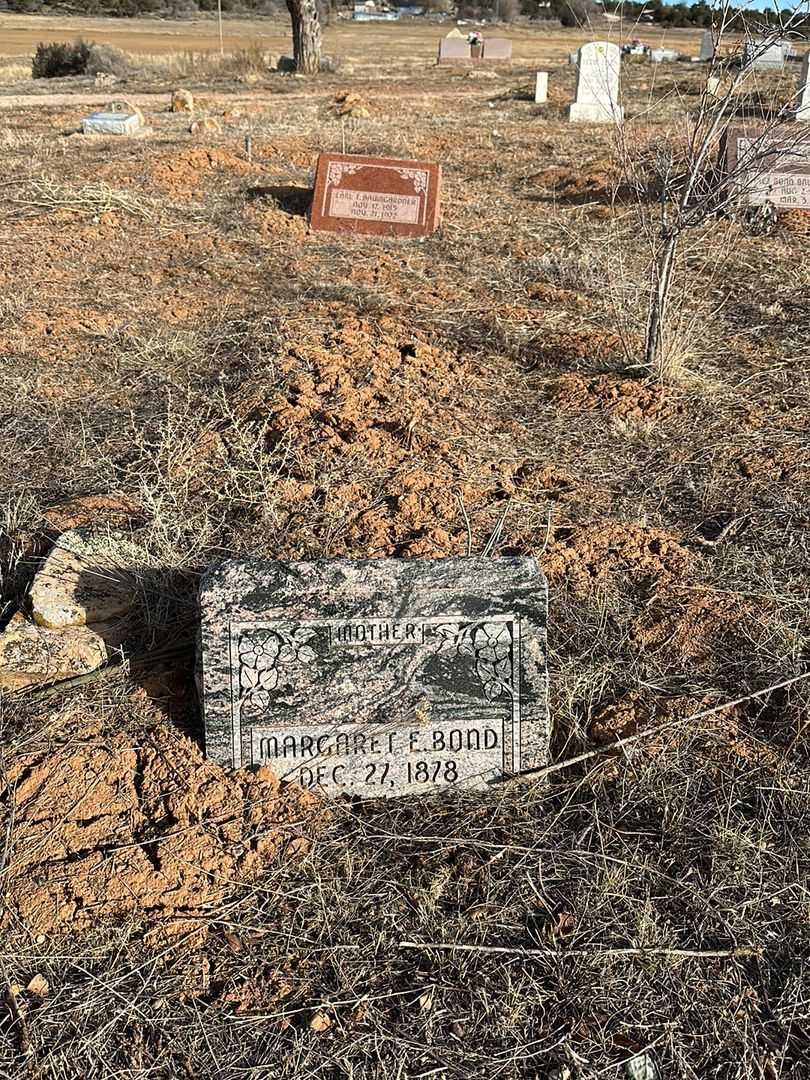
[(419, 178), (491, 646), (262, 653), (337, 170)]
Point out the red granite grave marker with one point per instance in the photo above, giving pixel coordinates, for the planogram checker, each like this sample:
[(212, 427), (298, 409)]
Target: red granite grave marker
[(379, 196)]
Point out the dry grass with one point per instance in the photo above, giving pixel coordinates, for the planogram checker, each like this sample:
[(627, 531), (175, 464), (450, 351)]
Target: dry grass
[(308, 971), (261, 390)]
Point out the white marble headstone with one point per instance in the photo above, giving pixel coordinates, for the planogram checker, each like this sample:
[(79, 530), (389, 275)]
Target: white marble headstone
[(803, 107), (764, 54), (541, 88), (597, 94)]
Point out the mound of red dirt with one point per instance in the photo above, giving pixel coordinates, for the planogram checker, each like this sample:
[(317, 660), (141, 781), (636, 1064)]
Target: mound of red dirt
[(627, 399), (608, 550), (110, 827), (183, 174)]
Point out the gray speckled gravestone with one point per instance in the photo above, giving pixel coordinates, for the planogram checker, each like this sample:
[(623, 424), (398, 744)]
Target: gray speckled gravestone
[(379, 677)]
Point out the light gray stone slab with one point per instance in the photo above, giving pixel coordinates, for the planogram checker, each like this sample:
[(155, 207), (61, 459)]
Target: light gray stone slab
[(597, 92), (761, 54), (111, 123), (376, 678), (803, 106), (541, 88), (707, 46)]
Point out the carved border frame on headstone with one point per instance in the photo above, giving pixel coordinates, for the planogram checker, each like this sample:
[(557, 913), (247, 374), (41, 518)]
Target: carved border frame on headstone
[(337, 169), (276, 644)]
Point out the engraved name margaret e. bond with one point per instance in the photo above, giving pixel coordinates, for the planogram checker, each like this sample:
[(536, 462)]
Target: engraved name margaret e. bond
[(481, 657)]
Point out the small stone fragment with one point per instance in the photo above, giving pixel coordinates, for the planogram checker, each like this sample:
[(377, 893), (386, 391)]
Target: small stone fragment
[(32, 655), (321, 1021), (204, 124), (86, 578), (39, 986)]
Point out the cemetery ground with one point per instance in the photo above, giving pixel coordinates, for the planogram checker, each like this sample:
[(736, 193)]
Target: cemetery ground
[(186, 362)]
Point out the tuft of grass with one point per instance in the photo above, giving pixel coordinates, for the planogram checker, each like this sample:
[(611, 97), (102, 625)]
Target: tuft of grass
[(44, 195)]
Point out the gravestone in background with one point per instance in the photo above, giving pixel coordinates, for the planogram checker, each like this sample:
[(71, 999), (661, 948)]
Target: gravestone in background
[(707, 46), (378, 196), (803, 105), (758, 55), (663, 56), (770, 165), (541, 88), (597, 93), (497, 50), (453, 50), (379, 677), (112, 123)]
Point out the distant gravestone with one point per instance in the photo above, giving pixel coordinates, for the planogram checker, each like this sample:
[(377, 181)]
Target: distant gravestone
[(597, 93), (803, 106), (573, 58), (454, 51), (379, 196), (455, 33), (662, 56), (761, 55), (497, 50), (541, 88), (377, 678), (707, 46), (112, 123), (770, 165)]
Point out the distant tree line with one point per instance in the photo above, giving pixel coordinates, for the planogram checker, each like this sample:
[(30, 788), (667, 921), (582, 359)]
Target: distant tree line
[(700, 14), (568, 12)]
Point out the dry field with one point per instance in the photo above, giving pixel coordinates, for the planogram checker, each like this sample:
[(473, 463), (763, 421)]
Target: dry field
[(183, 358)]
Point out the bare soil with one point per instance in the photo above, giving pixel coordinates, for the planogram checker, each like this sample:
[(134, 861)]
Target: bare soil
[(184, 358)]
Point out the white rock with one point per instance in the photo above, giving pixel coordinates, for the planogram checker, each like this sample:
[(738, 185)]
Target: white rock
[(31, 655), (87, 578)]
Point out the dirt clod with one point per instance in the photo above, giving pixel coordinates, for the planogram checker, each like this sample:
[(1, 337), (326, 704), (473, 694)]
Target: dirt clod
[(146, 829)]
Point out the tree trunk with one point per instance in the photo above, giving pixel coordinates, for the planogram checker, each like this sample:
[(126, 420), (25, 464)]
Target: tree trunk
[(655, 352), (306, 31)]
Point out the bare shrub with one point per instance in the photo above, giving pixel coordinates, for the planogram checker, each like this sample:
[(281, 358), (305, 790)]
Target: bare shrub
[(60, 59), (106, 60)]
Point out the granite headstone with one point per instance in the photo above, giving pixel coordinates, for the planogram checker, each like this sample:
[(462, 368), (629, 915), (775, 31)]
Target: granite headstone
[(765, 55), (497, 50), (376, 678), (770, 165), (707, 46), (453, 50), (378, 196), (597, 93)]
